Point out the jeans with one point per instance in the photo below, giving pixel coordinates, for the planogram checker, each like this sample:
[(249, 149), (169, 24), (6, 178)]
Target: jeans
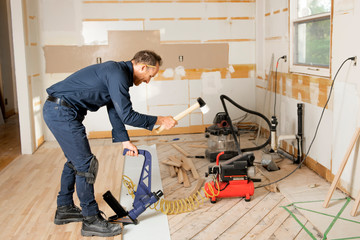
[(66, 125)]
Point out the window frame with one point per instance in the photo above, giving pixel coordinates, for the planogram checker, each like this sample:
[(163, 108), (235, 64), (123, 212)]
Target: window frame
[(299, 68)]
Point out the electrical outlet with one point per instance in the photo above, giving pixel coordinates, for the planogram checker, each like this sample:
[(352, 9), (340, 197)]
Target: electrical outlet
[(285, 58), (355, 61)]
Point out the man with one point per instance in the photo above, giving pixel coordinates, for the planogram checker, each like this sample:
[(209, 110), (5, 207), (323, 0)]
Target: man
[(68, 102)]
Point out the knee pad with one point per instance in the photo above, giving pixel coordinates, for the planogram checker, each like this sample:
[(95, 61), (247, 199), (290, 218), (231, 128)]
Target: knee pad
[(91, 174)]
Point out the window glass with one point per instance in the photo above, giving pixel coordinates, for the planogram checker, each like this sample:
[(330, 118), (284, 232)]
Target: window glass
[(313, 7), (312, 42)]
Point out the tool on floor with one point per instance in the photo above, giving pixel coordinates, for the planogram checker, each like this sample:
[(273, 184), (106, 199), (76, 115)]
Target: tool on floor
[(231, 178), (200, 103), (223, 136), (341, 169), (143, 195)]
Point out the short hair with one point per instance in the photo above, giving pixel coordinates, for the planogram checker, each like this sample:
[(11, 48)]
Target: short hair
[(147, 57)]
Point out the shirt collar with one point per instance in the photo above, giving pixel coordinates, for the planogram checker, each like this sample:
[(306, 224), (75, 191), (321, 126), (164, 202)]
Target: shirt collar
[(131, 72)]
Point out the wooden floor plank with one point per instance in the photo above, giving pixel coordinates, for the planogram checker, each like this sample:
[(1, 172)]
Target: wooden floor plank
[(265, 229), (229, 218), (9, 141), (290, 228), (29, 186), (195, 223), (303, 235), (242, 227)]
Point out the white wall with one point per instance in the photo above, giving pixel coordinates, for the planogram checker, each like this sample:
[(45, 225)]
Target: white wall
[(342, 116), (346, 115), (79, 23)]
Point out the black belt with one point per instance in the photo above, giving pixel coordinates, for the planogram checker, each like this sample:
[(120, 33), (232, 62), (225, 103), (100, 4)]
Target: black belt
[(58, 101)]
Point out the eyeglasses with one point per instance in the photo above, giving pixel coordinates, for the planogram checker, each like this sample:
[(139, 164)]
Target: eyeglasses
[(148, 65)]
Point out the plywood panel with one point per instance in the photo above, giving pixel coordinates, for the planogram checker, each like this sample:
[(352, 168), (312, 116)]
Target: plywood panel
[(96, 32), (60, 59), (124, 44), (196, 55), (122, 47)]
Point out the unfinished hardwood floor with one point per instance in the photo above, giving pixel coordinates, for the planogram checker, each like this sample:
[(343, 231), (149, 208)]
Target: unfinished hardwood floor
[(29, 186), (229, 218), (9, 141)]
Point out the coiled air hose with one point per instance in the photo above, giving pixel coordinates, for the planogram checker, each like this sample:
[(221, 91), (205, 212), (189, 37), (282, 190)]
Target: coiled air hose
[(177, 206)]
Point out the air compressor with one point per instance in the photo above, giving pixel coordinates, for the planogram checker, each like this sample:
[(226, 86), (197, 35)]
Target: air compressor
[(231, 178)]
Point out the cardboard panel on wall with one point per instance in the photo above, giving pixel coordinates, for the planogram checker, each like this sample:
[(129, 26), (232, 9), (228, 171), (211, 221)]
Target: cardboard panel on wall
[(124, 44), (68, 59), (190, 56), (122, 47)]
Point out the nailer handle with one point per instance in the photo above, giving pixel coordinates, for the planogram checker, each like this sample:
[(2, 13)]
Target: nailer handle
[(142, 152)]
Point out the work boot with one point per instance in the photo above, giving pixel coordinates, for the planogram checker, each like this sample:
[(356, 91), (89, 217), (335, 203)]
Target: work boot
[(97, 226), (67, 214)]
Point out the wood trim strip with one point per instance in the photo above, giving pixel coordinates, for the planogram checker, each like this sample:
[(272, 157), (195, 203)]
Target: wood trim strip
[(190, 18), (242, 18), (173, 1), (231, 40), (143, 132), (217, 18), (40, 141), (273, 38)]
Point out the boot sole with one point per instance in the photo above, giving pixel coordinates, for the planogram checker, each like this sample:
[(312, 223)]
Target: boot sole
[(65, 221), (91, 233)]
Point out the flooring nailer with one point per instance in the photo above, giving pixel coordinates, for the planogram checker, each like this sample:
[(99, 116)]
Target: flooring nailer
[(143, 195)]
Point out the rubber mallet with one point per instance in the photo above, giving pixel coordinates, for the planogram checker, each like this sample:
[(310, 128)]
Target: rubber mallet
[(200, 103)]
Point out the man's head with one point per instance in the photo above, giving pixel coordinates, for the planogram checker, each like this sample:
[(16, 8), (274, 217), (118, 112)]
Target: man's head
[(146, 65)]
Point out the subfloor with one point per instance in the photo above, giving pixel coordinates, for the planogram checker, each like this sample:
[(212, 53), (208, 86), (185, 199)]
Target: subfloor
[(29, 186)]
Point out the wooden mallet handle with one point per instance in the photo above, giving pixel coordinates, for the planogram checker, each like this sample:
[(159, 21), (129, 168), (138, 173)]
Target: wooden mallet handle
[(180, 115)]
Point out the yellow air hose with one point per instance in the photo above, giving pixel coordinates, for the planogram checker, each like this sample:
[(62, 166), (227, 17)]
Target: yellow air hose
[(176, 206)]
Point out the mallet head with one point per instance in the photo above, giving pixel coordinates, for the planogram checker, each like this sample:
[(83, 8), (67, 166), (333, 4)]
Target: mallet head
[(203, 107)]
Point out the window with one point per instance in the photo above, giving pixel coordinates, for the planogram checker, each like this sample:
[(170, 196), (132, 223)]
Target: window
[(310, 36)]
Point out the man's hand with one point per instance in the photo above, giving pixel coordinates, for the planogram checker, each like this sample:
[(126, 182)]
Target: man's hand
[(168, 122), (133, 149)]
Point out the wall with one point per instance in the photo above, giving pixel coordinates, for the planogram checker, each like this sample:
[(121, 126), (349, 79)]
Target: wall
[(346, 91), (6, 68), (34, 72), (341, 116), (215, 38)]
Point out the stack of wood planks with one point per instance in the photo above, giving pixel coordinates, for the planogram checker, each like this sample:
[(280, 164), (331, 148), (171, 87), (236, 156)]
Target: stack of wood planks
[(179, 166)]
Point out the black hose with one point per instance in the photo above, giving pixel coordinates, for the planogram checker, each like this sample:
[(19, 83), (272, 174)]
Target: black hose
[(222, 97)]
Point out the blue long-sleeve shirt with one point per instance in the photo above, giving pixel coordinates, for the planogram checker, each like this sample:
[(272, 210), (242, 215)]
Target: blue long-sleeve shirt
[(104, 84)]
